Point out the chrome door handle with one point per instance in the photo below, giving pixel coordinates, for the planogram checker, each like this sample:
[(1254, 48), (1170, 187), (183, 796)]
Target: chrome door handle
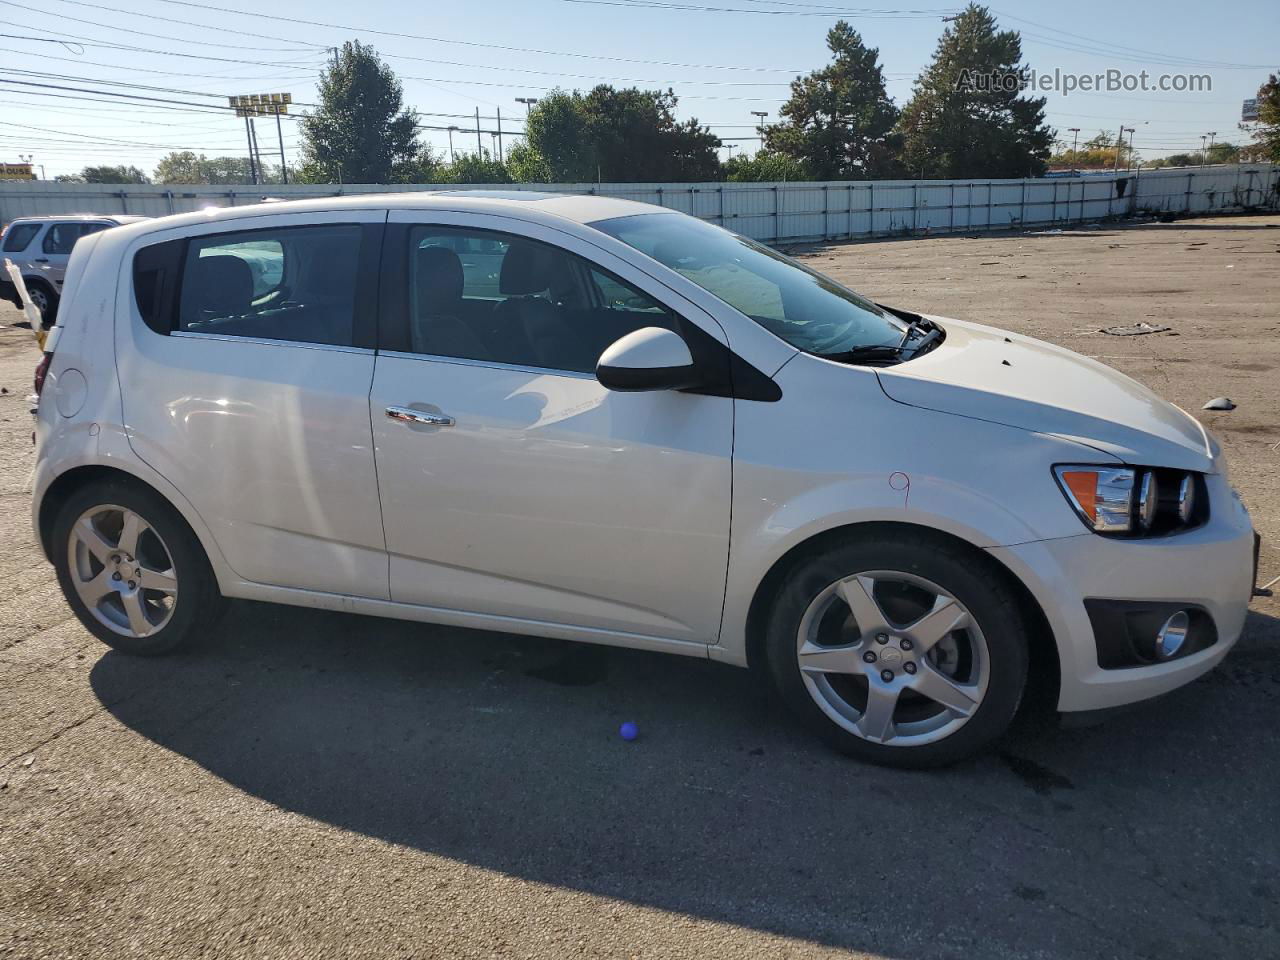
[(409, 415)]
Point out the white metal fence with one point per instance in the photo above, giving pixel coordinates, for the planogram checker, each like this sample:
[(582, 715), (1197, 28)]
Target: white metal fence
[(773, 212)]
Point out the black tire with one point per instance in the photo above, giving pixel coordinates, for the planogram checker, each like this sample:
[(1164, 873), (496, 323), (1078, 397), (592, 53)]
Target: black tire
[(198, 603), (49, 313), (970, 577)]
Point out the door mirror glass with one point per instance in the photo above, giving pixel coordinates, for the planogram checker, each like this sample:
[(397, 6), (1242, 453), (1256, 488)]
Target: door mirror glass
[(650, 358)]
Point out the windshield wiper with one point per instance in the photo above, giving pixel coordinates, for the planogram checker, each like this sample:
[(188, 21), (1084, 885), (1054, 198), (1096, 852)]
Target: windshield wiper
[(868, 352), (891, 353)]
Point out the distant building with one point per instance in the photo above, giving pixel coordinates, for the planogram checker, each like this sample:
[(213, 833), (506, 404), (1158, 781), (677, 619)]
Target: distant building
[(16, 171)]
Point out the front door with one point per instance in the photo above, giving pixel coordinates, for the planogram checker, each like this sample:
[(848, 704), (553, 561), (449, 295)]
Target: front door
[(513, 484), (250, 391)]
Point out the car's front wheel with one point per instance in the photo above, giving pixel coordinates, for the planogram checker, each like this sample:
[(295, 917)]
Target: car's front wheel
[(907, 650), (132, 570)]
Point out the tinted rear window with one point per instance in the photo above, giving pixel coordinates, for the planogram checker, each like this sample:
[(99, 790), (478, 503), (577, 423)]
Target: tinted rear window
[(19, 235)]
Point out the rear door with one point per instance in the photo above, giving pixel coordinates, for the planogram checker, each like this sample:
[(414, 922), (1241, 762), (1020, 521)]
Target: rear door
[(531, 494), (245, 367)]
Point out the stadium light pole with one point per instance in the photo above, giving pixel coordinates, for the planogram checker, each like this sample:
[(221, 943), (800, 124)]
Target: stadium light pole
[(528, 102)]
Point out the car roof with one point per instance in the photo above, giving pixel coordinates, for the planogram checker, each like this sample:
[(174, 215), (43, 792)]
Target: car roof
[(522, 204), (93, 217)]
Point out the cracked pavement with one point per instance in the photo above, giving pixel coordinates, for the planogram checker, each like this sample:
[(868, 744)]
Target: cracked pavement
[(310, 784)]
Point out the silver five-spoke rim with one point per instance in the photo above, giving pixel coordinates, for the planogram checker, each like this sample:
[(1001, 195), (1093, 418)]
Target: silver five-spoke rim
[(122, 570), (893, 658)]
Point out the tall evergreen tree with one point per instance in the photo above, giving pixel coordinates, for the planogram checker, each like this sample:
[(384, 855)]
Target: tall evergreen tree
[(839, 120), (967, 116), (360, 132), (1266, 135)]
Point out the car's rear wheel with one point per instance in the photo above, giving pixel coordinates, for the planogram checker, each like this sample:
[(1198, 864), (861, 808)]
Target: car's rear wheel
[(907, 651), (132, 570)]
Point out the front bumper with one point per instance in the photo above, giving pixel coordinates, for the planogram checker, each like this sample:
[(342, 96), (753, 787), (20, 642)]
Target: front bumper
[(1210, 567)]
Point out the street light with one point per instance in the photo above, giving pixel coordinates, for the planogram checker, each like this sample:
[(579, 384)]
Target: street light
[(28, 159), (451, 129), (1074, 140), (528, 102), (1212, 134), (1115, 168)]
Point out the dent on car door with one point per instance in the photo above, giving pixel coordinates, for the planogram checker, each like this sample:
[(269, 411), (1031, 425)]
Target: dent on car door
[(255, 405), (513, 484)]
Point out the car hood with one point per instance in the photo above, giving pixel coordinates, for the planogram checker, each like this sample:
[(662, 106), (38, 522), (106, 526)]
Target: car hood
[(989, 374)]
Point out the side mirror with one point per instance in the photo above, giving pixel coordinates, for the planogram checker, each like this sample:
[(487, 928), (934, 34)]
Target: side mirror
[(647, 359)]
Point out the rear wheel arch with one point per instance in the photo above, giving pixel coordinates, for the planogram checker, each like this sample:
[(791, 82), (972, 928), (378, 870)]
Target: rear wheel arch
[(77, 478), (1044, 677)]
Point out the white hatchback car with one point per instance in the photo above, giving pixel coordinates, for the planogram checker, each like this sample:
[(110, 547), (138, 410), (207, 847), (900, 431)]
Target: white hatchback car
[(603, 421)]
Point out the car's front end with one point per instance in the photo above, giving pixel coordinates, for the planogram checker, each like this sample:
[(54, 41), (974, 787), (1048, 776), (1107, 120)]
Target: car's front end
[(1155, 591)]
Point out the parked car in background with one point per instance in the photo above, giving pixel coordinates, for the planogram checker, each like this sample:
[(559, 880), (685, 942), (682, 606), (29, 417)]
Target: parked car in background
[(40, 247), (608, 422)]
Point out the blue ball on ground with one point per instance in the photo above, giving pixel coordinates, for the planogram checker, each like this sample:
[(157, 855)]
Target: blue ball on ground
[(628, 731)]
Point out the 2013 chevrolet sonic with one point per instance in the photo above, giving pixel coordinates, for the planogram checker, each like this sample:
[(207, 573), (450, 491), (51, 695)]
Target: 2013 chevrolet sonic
[(608, 422)]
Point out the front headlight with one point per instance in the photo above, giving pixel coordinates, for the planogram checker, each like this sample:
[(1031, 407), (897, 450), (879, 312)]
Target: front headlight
[(1134, 501)]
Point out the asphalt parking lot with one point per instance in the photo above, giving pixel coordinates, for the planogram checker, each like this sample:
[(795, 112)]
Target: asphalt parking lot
[(309, 784)]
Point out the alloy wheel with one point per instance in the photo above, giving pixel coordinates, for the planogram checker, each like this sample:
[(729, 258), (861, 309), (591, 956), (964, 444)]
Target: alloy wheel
[(122, 570), (893, 658)]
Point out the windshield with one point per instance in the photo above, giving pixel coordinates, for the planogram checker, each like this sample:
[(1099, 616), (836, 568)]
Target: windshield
[(811, 312)]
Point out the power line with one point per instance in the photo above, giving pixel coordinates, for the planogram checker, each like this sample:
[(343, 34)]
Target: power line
[(133, 69), (701, 8), (184, 23), (470, 43)]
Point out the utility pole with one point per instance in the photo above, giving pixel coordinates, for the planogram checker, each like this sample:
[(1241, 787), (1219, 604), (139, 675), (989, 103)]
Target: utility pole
[(1115, 168), (284, 167), (1212, 134), (257, 154), (479, 145), (1204, 154), (760, 115), (248, 135), (501, 156), (1075, 139), (451, 157)]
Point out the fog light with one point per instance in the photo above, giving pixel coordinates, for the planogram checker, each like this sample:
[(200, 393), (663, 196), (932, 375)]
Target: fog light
[(1172, 635)]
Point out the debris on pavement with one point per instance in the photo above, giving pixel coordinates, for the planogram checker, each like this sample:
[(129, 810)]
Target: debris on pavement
[(1219, 403), (1135, 330)]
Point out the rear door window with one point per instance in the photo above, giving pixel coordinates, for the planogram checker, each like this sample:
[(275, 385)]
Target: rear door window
[(291, 283), (19, 235), (61, 238)]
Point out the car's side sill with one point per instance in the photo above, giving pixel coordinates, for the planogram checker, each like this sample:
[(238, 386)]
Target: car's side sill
[(245, 590)]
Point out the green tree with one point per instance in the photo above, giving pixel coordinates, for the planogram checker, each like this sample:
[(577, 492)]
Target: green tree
[(966, 117), (360, 131), (187, 167), (1098, 153), (765, 166), (839, 121), (628, 135), (105, 174), (526, 165), (558, 141), (480, 167), (1266, 134)]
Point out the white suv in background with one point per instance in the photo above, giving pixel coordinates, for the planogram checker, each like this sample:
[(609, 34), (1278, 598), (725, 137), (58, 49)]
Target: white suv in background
[(598, 420), (40, 247)]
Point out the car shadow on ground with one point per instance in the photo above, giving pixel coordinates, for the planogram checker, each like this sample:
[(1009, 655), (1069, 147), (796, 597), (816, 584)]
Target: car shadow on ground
[(1138, 837)]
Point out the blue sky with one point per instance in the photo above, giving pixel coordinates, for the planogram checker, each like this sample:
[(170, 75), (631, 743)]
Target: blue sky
[(723, 62)]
